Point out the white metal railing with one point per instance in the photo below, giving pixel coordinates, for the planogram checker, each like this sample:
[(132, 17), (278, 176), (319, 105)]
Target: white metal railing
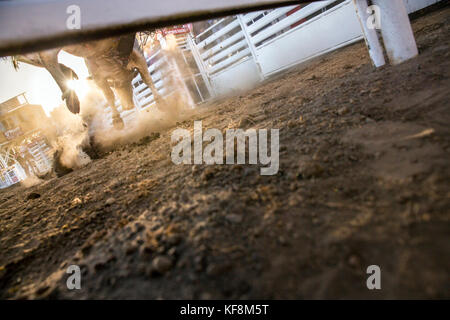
[(41, 155), (268, 19), (234, 45), (223, 48), (280, 21), (240, 51)]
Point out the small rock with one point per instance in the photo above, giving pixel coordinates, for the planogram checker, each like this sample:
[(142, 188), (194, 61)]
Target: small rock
[(282, 240), (354, 261), (363, 92), (162, 264), (110, 201), (174, 239), (311, 169), (301, 120), (375, 90), (206, 296), (233, 218), (195, 169), (76, 201), (218, 269), (342, 111), (172, 251), (131, 249)]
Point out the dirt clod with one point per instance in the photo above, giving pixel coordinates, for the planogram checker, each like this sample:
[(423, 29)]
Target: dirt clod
[(162, 264)]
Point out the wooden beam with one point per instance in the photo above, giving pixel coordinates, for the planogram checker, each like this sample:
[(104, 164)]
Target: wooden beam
[(27, 26)]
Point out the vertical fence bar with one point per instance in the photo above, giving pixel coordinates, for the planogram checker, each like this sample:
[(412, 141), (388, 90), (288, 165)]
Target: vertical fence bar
[(201, 66), (370, 35), (250, 44)]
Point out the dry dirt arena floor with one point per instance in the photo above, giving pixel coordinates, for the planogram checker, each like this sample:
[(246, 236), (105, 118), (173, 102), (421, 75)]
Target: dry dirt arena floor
[(364, 180)]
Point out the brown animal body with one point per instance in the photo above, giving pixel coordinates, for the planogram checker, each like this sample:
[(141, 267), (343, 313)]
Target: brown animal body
[(112, 64)]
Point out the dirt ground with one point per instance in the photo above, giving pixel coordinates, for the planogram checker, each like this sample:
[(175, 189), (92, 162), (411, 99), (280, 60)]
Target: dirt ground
[(364, 179)]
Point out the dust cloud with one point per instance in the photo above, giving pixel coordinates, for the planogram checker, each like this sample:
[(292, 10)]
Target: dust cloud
[(69, 134), (30, 181), (175, 107)]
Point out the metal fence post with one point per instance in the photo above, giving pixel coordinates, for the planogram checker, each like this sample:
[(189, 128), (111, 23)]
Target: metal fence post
[(250, 44), (370, 35), (201, 65), (396, 30)]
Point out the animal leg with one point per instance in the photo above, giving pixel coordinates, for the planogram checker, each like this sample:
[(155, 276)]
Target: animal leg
[(137, 60), (125, 93), (110, 98), (49, 60), (68, 72)]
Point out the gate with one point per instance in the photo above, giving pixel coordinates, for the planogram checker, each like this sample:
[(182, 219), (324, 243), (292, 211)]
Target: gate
[(238, 52)]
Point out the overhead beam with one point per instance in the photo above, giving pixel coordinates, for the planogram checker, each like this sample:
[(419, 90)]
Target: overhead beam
[(33, 25)]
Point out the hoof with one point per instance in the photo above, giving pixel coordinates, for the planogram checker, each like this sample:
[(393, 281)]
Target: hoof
[(118, 123)]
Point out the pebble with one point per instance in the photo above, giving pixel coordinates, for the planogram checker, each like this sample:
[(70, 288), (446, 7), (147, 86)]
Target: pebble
[(233, 218), (76, 201), (195, 169), (342, 111), (110, 201), (162, 264), (375, 90), (354, 261), (282, 240), (311, 169), (217, 269)]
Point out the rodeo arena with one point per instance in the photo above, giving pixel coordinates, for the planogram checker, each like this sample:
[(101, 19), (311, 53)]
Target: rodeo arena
[(119, 164)]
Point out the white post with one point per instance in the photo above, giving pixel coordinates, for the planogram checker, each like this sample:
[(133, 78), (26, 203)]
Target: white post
[(396, 30), (370, 34)]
